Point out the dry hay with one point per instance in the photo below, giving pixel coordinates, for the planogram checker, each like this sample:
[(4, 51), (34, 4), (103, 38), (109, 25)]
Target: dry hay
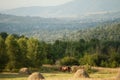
[(118, 76), (89, 79), (81, 73), (24, 71), (36, 76), (75, 68), (106, 69)]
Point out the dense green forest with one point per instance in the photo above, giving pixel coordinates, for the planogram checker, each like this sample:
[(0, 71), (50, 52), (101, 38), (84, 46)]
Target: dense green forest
[(101, 49), (108, 31)]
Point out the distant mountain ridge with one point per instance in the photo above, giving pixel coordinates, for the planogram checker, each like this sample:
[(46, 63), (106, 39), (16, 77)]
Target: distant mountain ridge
[(51, 29), (74, 8), (46, 29)]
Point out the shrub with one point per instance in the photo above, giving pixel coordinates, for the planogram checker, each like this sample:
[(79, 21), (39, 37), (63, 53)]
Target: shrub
[(69, 61), (89, 69)]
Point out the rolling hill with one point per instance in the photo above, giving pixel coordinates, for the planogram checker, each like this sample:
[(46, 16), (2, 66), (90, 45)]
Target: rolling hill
[(46, 29), (51, 29), (75, 8)]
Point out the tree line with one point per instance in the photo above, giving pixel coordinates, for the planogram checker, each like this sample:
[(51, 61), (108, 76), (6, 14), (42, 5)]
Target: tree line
[(20, 51)]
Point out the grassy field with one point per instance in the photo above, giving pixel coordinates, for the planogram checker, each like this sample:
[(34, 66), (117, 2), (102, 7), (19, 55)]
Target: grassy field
[(101, 74)]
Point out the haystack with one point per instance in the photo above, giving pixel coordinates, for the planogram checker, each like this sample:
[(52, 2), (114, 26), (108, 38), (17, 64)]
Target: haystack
[(36, 76), (118, 76), (24, 71), (81, 73), (75, 68)]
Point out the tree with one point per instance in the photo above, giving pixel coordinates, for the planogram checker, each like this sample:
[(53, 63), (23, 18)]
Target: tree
[(69, 61), (49, 56), (33, 52), (13, 52), (91, 59), (3, 55), (113, 58), (3, 35), (58, 49), (22, 42)]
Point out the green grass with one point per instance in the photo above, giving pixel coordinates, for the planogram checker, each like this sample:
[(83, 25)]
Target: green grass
[(12, 76), (101, 74), (50, 76)]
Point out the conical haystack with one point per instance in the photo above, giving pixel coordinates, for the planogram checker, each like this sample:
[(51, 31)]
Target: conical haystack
[(75, 68), (36, 76), (81, 73), (24, 71)]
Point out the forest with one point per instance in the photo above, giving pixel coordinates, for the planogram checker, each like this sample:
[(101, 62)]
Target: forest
[(18, 51), (52, 29)]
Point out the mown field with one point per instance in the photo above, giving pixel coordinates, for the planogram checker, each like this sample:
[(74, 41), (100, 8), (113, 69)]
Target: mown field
[(100, 74)]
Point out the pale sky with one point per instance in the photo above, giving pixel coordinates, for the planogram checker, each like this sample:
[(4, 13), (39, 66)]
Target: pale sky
[(9, 4)]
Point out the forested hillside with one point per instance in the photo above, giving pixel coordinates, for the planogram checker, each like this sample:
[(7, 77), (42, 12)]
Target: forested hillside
[(109, 31), (46, 29)]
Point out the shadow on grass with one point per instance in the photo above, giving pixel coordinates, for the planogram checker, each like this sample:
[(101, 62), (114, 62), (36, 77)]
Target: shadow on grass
[(12, 75)]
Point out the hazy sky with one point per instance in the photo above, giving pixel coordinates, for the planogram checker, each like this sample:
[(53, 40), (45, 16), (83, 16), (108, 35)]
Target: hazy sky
[(8, 4)]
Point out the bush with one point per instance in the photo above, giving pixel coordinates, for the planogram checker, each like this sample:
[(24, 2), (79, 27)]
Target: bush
[(69, 61), (113, 64), (47, 69), (48, 61), (89, 69)]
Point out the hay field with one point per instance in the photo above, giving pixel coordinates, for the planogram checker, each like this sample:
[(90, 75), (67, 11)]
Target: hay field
[(101, 74)]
